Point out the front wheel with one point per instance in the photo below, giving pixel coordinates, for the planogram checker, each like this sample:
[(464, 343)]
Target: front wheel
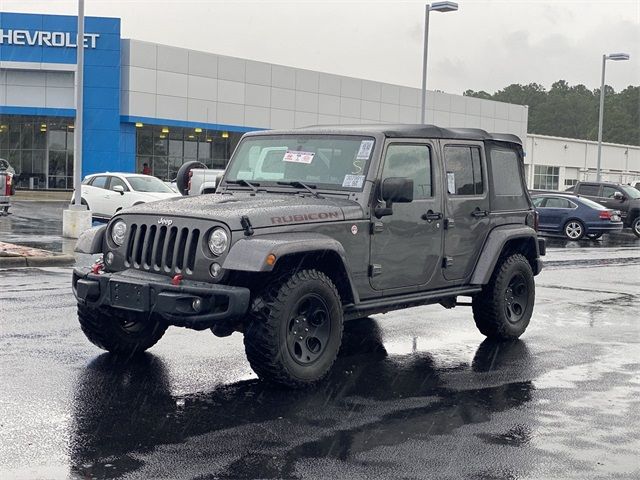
[(120, 332), (594, 236), (635, 227), (503, 309), (574, 230), (295, 330)]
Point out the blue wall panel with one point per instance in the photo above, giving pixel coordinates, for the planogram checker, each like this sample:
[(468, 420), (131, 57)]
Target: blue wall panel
[(102, 130)]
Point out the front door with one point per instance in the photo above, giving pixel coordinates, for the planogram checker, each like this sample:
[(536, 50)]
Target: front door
[(467, 207), (406, 246)]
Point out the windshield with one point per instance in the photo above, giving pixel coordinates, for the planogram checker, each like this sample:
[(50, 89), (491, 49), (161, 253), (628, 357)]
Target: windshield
[(324, 161), (148, 184), (630, 192)]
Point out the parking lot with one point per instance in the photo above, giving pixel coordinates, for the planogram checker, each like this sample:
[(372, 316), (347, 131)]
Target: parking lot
[(417, 393)]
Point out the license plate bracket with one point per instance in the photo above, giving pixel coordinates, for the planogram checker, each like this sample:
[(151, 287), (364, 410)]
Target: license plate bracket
[(129, 296)]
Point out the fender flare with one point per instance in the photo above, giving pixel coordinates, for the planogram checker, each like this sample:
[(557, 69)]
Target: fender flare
[(91, 241), (494, 245), (249, 253)]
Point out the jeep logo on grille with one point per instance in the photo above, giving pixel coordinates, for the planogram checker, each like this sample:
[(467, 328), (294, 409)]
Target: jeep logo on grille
[(165, 221)]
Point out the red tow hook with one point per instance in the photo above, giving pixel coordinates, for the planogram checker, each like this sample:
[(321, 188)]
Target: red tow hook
[(97, 267), (176, 280)]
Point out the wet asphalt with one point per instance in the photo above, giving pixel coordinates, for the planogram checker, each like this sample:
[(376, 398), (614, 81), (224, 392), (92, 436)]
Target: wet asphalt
[(417, 393)]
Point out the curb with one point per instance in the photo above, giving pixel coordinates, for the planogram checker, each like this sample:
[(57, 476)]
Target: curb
[(52, 261)]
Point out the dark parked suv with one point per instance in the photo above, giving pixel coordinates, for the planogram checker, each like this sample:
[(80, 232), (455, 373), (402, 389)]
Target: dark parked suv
[(351, 221), (616, 197)]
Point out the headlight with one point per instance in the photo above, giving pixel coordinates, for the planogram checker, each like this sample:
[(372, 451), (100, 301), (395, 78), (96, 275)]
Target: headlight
[(118, 232), (218, 241)]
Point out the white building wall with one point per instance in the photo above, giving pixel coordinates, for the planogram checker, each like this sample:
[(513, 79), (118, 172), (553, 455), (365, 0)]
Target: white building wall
[(165, 82), (577, 159), (36, 88)]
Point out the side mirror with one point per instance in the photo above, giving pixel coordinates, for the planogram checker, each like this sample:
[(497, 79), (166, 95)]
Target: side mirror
[(119, 189), (395, 190), (618, 196), (184, 175)]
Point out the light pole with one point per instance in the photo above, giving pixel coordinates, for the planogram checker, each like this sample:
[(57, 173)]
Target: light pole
[(436, 7), (611, 56)]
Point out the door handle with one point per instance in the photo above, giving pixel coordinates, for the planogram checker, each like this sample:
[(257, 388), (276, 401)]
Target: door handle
[(430, 216), (477, 213)]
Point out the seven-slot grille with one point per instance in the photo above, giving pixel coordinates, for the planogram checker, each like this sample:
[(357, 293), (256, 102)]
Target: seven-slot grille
[(161, 248)]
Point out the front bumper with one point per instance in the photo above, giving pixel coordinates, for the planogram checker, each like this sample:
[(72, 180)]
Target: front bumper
[(155, 294)]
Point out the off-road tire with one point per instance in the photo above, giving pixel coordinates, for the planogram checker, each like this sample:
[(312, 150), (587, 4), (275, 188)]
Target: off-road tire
[(635, 226), (575, 226), (491, 305), (105, 329), (271, 323)]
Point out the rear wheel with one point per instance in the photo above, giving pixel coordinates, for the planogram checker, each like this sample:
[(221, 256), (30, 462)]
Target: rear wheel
[(294, 333), (503, 309), (574, 230), (594, 236), (120, 332)]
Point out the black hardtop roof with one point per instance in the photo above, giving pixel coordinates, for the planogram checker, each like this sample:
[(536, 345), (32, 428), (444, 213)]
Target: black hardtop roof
[(400, 131)]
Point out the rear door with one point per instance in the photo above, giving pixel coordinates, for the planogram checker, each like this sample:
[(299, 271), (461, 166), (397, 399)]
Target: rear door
[(589, 190), (557, 212), (406, 247), (467, 207)]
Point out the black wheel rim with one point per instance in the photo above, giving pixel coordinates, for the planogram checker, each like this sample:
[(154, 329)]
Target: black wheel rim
[(516, 298), (309, 329)]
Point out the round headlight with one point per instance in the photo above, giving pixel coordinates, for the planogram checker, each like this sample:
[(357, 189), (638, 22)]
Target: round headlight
[(218, 241), (118, 232)]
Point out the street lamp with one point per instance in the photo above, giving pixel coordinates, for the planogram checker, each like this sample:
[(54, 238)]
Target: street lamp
[(611, 56), (436, 7)]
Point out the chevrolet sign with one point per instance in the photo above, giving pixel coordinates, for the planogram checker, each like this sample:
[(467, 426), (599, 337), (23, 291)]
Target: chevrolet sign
[(48, 39)]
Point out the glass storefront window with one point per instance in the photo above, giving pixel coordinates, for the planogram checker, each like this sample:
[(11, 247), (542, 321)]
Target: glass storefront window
[(40, 149), (165, 149)]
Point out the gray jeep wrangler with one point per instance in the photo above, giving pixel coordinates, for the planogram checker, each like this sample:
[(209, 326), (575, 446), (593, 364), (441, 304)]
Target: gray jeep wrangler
[(336, 223)]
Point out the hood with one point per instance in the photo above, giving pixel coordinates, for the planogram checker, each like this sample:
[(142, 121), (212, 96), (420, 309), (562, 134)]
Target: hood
[(263, 210), (159, 195)]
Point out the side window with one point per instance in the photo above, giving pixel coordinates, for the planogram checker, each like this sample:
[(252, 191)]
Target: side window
[(608, 192), (589, 190), (99, 182), (410, 161), (538, 201), (117, 181), (505, 171), (555, 202), (464, 170)]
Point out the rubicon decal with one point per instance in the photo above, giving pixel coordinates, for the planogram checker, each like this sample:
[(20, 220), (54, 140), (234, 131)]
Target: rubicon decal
[(304, 217)]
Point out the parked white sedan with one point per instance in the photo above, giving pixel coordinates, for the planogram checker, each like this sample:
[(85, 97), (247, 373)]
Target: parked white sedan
[(107, 193)]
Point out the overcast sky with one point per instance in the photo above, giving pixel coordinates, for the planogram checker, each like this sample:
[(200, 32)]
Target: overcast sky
[(486, 45)]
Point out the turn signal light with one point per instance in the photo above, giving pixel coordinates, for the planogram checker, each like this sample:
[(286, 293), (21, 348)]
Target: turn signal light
[(271, 260)]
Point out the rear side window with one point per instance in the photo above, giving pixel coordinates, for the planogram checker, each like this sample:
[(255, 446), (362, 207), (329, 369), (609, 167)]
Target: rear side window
[(555, 202), (585, 189), (99, 182), (464, 170), (505, 172)]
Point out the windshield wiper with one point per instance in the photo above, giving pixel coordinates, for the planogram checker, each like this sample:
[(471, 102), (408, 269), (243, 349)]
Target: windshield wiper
[(298, 184), (242, 181)]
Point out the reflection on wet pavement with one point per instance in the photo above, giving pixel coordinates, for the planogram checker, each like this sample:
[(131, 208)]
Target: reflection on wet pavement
[(259, 431)]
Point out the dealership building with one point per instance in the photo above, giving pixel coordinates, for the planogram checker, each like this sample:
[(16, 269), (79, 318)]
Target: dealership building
[(162, 105)]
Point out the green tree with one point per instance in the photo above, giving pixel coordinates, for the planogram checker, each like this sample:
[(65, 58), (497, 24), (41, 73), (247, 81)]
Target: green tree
[(572, 111)]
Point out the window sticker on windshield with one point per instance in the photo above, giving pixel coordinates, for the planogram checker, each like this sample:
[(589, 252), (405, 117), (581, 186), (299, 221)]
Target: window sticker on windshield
[(353, 181), (365, 150), (298, 157)]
